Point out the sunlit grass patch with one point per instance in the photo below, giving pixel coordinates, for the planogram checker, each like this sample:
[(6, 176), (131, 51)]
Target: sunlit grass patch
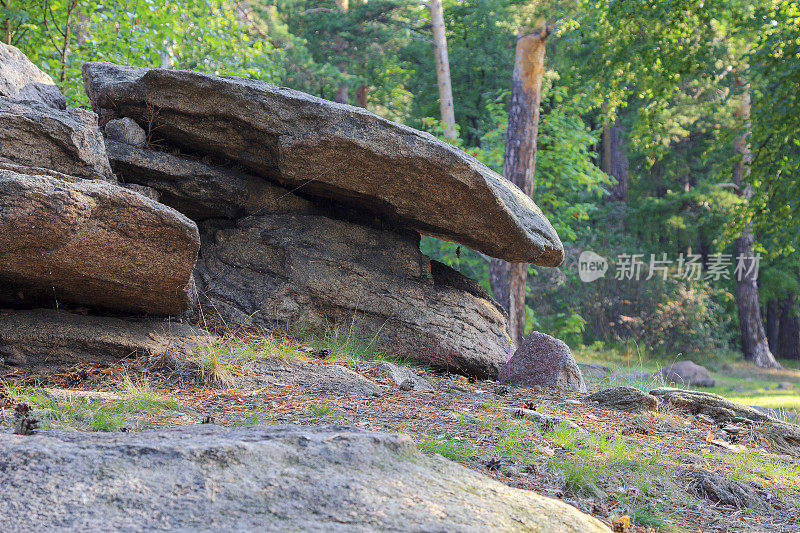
[(454, 450), (221, 359), (579, 477), (753, 466), (139, 397)]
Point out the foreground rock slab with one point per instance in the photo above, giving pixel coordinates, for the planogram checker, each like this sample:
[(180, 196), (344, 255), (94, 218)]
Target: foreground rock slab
[(92, 243), (21, 79), (69, 142), (333, 151), (543, 361), (275, 478), (42, 339)]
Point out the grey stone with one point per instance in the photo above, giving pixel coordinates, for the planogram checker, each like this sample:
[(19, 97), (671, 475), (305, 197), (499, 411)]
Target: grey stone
[(197, 189), (310, 269), (625, 398), (92, 243), (69, 142), (718, 489), (687, 373), (400, 376), (594, 371), (545, 361), (22, 80), (333, 151), (147, 192), (325, 377), (782, 436), (46, 339), (274, 478), (125, 130)]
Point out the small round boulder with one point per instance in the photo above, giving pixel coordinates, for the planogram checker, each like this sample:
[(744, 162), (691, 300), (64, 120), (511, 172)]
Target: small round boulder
[(126, 130)]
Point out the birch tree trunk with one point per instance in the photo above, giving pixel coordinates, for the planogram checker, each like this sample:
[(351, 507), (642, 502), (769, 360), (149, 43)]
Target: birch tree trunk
[(442, 69), (754, 339), (509, 280)]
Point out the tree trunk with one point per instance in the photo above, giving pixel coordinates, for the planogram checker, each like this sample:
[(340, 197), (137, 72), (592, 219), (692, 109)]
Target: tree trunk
[(773, 321), (361, 96), (509, 280), (615, 161), (342, 95), (754, 339), (789, 336), (442, 69)]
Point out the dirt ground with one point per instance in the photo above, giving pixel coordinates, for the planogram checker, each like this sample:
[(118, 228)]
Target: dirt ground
[(625, 465)]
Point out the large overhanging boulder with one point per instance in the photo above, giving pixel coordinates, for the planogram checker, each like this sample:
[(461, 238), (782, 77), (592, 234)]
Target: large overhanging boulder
[(332, 150), (35, 135), (92, 243), (21, 79)]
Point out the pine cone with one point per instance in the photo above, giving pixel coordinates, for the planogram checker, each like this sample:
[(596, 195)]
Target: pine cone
[(26, 425)]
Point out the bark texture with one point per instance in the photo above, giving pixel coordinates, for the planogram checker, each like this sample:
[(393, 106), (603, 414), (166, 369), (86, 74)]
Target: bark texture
[(754, 339), (442, 69), (509, 280), (773, 322)]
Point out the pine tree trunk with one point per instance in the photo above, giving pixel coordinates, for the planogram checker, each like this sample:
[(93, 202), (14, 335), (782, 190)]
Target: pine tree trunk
[(361, 96), (509, 280), (615, 161), (754, 339), (342, 95), (773, 324), (442, 69), (789, 337)]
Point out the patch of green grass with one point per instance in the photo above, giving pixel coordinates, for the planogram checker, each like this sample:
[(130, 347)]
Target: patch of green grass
[(751, 465), (590, 446), (253, 419), (579, 477), (139, 397), (71, 412), (348, 343), (220, 359), (452, 449), (323, 410), (647, 515)]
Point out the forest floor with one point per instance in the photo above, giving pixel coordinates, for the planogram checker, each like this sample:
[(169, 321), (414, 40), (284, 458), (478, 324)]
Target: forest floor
[(623, 465)]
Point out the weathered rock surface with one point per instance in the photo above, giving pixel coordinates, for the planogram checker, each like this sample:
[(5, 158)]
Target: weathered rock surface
[(625, 398), (46, 338), (687, 373), (92, 243), (333, 151), (22, 80), (69, 142), (544, 361), (718, 489), (307, 268), (273, 478), (324, 377), (595, 371), (399, 375), (127, 131), (782, 436), (194, 188)]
